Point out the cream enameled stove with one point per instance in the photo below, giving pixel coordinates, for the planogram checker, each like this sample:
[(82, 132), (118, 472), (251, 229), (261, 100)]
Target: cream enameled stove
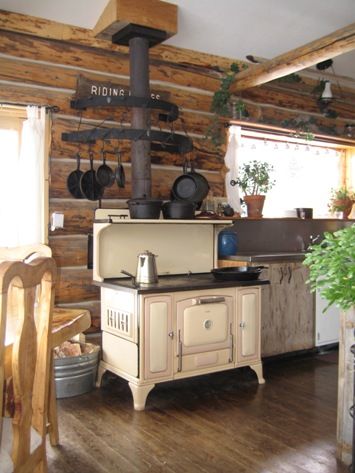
[(184, 325)]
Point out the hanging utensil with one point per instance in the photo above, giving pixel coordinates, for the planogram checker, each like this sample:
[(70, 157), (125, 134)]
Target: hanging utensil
[(73, 180), (104, 174), (119, 172), (89, 186)]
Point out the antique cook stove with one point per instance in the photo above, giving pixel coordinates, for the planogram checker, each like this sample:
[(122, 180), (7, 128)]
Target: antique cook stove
[(187, 323)]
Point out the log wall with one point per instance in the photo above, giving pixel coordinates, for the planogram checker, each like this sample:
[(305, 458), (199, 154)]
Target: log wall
[(40, 62)]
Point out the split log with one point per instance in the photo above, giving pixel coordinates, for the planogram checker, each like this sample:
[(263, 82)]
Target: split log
[(329, 46)]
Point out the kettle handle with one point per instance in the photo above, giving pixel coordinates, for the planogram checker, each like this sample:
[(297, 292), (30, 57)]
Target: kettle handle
[(131, 276)]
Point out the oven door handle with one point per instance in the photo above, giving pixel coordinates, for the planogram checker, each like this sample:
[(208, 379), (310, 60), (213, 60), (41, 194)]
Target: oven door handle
[(208, 300), (179, 353), (231, 344)]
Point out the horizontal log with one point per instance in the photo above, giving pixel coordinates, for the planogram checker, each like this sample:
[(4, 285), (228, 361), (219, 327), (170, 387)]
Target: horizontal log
[(27, 47), (75, 284), (69, 251), (43, 28), (329, 46), (78, 216)]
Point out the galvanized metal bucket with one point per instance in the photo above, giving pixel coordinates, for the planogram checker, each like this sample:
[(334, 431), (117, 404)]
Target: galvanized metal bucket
[(76, 375)]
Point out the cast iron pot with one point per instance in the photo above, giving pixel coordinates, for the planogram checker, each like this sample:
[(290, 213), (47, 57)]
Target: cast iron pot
[(179, 209), (144, 208), (238, 273)]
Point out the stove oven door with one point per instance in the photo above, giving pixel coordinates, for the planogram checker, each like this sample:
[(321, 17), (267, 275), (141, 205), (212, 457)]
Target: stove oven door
[(204, 332)]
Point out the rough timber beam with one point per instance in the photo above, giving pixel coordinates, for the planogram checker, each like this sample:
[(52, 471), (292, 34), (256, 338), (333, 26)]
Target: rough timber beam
[(339, 42)]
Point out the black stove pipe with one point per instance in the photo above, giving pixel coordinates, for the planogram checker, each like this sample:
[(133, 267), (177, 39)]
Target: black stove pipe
[(139, 85)]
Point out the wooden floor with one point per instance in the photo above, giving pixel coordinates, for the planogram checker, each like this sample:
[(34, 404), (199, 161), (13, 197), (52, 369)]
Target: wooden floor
[(220, 423)]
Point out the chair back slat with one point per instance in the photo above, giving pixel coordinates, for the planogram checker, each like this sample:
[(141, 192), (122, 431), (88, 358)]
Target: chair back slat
[(27, 290)]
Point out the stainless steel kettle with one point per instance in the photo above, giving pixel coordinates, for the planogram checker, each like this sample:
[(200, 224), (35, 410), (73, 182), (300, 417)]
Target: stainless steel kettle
[(146, 268)]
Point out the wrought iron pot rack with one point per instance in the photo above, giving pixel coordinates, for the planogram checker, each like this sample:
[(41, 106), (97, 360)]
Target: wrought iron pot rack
[(161, 140)]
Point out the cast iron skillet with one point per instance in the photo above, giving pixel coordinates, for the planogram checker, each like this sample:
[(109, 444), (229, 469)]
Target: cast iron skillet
[(89, 186), (104, 175), (238, 273), (73, 180), (119, 172), (191, 186)]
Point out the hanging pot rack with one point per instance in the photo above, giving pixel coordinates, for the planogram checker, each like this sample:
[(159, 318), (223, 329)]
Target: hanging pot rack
[(161, 140)]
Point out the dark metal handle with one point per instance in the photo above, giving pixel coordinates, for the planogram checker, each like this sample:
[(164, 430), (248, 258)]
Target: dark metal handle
[(131, 276), (282, 275), (210, 300), (179, 353), (289, 274)]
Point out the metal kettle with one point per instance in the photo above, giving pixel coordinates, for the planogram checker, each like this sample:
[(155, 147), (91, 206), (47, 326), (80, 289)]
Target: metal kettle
[(146, 268)]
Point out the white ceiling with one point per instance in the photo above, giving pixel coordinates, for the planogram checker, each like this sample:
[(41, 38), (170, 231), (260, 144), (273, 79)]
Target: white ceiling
[(230, 28)]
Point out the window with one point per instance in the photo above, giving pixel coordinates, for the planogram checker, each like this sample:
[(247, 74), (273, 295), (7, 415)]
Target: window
[(23, 167), (305, 172)]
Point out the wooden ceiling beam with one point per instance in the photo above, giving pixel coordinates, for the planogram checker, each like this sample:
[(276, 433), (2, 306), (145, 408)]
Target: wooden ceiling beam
[(339, 42)]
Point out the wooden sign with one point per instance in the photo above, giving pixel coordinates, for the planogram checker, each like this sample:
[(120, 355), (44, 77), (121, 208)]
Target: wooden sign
[(88, 88)]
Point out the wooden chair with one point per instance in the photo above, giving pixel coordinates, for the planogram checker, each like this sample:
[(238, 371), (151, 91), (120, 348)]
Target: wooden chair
[(27, 294), (66, 324)]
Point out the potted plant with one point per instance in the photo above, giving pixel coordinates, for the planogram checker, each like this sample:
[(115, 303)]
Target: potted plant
[(255, 180), (341, 200), (332, 267), (332, 272)]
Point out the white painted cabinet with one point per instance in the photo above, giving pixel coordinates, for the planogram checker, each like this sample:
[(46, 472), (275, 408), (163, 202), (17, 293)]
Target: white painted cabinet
[(248, 325), (158, 334)]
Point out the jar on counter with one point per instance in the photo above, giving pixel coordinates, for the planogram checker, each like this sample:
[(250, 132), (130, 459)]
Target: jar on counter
[(227, 243)]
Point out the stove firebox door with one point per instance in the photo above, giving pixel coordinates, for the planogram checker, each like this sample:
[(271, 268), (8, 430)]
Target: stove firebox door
[(204, 323)]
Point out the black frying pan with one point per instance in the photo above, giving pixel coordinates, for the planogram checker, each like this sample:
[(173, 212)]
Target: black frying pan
[(237, 273), (73, 180), (104, 174), (89, 186), (190, 186), (119, 172)]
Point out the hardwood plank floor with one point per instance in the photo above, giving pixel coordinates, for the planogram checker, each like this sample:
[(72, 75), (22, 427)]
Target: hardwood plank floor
[(219, 423)]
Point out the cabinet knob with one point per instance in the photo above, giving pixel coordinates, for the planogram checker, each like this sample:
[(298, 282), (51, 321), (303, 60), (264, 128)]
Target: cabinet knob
[(242, 324), (171, 334)]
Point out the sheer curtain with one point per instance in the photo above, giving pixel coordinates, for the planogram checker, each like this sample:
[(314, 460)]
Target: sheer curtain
[(22, 171), (231, 162)]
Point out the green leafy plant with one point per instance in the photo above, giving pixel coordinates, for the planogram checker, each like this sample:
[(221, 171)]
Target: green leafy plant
[(255, 178), (332, 267), (341, 199), (224, 105)]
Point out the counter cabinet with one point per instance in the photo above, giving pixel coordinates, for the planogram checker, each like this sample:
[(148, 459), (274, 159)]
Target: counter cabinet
[(287, 308)]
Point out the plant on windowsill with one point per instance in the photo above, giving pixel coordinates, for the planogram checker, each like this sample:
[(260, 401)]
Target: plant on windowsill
[(254, 181), (341, 200), (332, 267)]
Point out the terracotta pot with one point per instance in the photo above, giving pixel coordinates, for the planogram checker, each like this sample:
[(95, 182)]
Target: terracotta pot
[(346, 205), (255, 204)]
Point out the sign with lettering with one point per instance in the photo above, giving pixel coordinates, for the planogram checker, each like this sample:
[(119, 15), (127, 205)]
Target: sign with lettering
[(88, 88)]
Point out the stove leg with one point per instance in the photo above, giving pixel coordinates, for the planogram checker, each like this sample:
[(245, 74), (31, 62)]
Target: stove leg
[(140, 394), (100, 372), (259, 372)]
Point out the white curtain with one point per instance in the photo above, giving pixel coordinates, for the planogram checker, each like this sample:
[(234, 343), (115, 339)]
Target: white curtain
[(231, 162), (24, 197)]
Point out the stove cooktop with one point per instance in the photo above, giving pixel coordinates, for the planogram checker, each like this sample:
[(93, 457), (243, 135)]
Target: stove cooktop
[(179, 282)]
